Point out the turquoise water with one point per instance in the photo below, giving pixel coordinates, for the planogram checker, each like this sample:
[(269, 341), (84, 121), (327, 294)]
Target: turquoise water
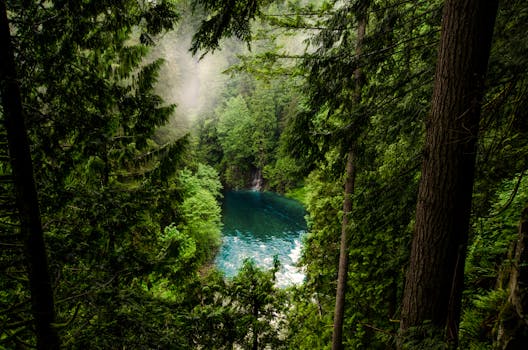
[(260, 225)]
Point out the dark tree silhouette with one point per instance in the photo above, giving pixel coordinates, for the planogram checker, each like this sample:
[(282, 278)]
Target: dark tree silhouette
[(435, 277), (26, 195)]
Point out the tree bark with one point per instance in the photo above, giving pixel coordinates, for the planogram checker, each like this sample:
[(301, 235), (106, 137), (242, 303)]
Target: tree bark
[(26, 195), (342, 274), (434, 280), (350, 178), (513, 328)]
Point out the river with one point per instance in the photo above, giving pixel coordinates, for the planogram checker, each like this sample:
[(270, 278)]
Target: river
[(260, 225)]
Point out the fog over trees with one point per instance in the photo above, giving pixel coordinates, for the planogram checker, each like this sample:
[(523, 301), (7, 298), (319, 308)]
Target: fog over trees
[(401, 127)]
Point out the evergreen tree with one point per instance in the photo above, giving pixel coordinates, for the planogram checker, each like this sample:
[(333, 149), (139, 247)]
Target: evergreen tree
[(385, 132), (350, 177), (434, 279), (131, 216), (91, 117), (42, 303)]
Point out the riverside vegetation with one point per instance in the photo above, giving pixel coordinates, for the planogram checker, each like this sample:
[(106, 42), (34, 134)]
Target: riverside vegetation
[(402, 127)]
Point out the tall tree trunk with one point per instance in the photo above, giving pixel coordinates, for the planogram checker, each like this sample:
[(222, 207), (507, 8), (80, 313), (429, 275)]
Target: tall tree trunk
[(434, 280), (26, 195), (350, 177), (339, 311), (513, 329)]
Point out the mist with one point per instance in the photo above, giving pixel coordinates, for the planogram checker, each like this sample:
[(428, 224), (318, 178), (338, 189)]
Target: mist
[(193, 84)]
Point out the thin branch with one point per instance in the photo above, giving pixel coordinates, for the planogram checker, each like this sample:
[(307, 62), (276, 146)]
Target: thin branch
[(379, 330), (510, 200)]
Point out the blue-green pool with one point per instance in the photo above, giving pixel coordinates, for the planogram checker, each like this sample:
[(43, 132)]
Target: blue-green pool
[(260, 225)]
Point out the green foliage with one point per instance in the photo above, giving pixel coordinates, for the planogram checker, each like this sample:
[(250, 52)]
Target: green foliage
[(243, 138), (500, 190), (224, 19), (133, 228), (481, 318), (387, 144), (199, 210), (91, 115), (177, 246), (211, 321), (308, 326), (259, 306), (265, 132), (242, 312), (208, 147), (315, 300), (489, 263), (235, 127), (284, 175), (425, 336)]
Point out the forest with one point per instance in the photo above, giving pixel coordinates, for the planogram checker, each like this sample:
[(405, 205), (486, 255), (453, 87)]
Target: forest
[(400, 125)]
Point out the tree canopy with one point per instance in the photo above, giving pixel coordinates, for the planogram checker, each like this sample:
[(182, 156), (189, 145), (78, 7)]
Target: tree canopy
[(400, 125)]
